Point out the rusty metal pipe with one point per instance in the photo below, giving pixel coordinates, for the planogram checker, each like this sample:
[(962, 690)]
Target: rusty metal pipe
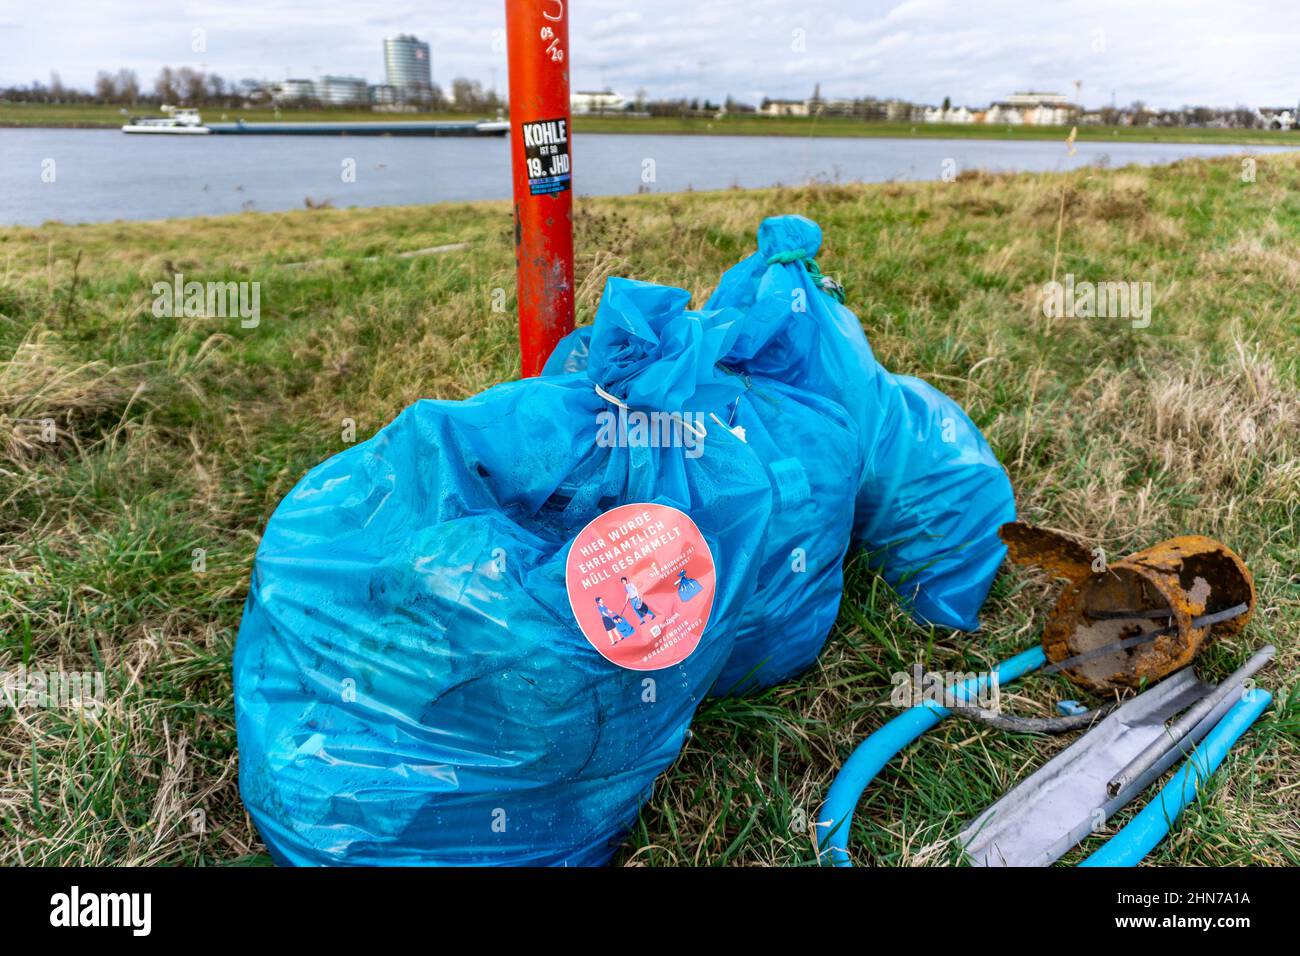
[(1123, 605), (1124, 615), (1205, 620)]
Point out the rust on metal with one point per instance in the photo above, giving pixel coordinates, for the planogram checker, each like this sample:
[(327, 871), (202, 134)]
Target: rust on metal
[(1050, 550), (1160, 591)]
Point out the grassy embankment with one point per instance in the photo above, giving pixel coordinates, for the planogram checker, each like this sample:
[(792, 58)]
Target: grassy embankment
[(92, 116), (176, 435)]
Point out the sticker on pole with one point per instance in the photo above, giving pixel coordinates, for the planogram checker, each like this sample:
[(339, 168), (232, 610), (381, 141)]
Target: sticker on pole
[(641, 581), (546, 152)]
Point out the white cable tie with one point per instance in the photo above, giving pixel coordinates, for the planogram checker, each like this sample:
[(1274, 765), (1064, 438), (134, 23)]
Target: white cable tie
[(610, 398)]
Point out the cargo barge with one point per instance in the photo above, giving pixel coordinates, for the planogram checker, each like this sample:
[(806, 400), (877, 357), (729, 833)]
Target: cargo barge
[(185, 121), (400, 128)]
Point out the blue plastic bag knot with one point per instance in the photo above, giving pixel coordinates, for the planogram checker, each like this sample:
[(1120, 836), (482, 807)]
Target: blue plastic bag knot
[(651, 351)]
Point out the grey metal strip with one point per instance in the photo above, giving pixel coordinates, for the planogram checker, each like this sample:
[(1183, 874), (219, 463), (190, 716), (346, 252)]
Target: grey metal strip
[(1040, 819)]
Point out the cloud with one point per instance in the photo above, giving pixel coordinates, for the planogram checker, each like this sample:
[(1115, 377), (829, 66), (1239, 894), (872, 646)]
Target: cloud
[(1165, 52)]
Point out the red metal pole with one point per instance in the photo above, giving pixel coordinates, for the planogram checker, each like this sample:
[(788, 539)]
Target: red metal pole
[(537, 39)]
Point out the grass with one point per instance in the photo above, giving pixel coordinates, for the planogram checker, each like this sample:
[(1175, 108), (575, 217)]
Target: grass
[(126, 544), (740, 124)]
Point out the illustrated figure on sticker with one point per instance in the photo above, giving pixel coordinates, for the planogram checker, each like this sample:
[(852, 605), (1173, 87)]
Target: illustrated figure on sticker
[(613, 622), (639, 606)]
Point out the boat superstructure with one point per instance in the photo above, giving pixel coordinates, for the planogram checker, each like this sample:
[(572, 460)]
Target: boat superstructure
[(178, 120)]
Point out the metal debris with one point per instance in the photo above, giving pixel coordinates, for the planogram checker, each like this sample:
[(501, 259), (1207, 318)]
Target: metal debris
[(1033, 725), (1042, 817), (1156, 607), (1204, 621), (1038, 547), (1176, 733)]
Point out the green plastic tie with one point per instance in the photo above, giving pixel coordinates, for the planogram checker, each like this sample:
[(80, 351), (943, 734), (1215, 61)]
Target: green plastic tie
[(823, 281)]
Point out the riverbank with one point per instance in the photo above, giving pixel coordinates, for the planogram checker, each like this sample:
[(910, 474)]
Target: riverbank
[(103, 117), (126, 544)]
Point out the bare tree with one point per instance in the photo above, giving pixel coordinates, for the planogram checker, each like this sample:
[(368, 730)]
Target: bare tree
[(165, 85), (192, 86), (105, 87), (128, 86), (466, 94)]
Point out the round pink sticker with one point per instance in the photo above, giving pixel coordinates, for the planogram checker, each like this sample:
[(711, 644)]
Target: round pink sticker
[(641, 582)]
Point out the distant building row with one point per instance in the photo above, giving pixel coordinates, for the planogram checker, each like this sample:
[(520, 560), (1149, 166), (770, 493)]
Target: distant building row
[(1242, 117), (598, 101), (1030, 109), (868, 108), (1033, 109), (408, 72)]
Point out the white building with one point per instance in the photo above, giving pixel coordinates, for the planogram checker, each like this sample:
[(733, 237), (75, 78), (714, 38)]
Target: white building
[(785, 108), (1047, 114), (1034, 99), (1004, 114), (293, 91), (1031, 109), (1274, 118), (602, 101), (343, 90), (959, 114)]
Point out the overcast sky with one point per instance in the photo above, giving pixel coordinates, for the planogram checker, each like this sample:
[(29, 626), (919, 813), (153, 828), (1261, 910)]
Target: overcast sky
[(1167, 53)]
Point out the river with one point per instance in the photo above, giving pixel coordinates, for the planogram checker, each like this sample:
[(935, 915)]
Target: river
[(74, 175)]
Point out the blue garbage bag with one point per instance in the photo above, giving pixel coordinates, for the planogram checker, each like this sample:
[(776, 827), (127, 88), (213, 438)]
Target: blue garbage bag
[(412, 685), (808, 446), (931, 494)]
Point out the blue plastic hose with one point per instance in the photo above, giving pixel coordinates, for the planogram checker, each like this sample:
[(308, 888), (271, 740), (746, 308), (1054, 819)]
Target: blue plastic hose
[(835, 819), (1140, 836), (1127, 848)]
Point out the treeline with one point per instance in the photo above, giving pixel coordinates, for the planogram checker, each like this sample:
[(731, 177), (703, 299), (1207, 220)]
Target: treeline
[(183, 85), (467, 96), (683, 106), (186, 86), (1139, 114)]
